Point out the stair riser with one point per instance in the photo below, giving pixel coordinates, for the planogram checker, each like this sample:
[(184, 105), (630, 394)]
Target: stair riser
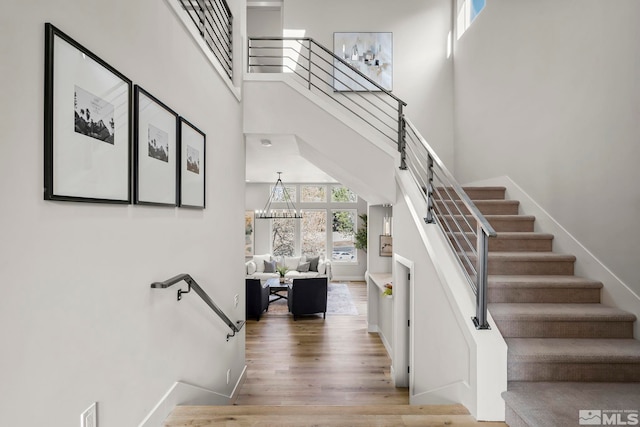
[(477, 193), (520, 245), (512, 419), (544, 295), (564, 329), (505, 207), (579, 372), (518, 224), (497, 244), (541, 268)]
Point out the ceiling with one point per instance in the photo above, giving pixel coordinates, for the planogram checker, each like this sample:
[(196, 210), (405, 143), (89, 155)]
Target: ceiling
[(284, 156)]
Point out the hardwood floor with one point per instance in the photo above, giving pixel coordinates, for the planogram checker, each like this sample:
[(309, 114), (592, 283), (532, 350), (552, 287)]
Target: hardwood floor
[(316, 372), (317, 362)]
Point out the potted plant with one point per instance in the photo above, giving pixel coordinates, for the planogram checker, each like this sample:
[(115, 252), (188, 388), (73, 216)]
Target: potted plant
[(282, 270), (388, 290), (361, 234)]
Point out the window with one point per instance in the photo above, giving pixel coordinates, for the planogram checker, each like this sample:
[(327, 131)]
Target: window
[(343, 226), (279, 194), (314, 232), (343, 195), (468, 10), (313, 193), (283, 236)]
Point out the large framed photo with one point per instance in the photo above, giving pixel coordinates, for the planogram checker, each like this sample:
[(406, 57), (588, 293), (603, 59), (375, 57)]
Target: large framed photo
[(192, 165), (369, 53), (87, 124), (386, 246), (155, 151)]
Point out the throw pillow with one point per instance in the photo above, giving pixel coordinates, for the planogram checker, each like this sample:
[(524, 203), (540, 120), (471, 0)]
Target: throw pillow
[(291, 262), (251, 267), (322, 267), (303, 267), (313, 263), (259, 260), (269, 266)]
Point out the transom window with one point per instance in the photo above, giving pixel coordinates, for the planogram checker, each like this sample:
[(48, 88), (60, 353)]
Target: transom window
[(341, 194)]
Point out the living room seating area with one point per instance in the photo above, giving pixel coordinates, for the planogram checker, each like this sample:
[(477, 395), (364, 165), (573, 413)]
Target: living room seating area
[(268, 266)]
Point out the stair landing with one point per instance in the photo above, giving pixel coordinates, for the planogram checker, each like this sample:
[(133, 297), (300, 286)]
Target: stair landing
[(330, 416)]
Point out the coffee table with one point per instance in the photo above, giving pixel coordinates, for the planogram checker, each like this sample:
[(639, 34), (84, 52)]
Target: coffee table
[(275, 287)]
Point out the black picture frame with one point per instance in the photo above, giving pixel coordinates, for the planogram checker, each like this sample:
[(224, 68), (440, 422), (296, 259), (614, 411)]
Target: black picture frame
[(193, 165), (87, 124), (156, 174)]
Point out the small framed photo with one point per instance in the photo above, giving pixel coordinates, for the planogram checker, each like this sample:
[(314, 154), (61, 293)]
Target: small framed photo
[(87, 125), (249, 217), (155, 151), (386, 246), (193, 166)]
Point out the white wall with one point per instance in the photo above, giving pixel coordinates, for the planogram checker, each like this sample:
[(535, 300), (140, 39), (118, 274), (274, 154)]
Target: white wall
[(422, 75), (546, 93), (256, 196), (80, 322)]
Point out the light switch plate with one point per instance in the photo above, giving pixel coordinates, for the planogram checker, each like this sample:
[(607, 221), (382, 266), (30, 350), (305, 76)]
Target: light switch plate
[(89, 417)]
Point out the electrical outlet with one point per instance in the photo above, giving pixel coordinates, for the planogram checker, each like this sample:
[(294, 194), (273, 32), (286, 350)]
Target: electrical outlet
[(89, 418), (228, 375), (236, 300)]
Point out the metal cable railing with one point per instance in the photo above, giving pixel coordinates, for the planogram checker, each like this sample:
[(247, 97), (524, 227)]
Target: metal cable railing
[(214, 21), (323, 72), (468, 231)]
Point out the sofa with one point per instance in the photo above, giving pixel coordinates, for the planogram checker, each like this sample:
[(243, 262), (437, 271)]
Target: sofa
[(264, 267)]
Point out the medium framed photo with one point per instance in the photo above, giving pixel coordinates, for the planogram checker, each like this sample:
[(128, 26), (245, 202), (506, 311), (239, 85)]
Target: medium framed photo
[(87, 125), (155, 151), (369, 53), (249, 217), (386, 246), (193, 166)]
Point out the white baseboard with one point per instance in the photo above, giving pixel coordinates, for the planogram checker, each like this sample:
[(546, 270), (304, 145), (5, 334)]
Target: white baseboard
[(347, 279), (615, 293), (386, 345), (239, 383), (182, 393), (446, 395)]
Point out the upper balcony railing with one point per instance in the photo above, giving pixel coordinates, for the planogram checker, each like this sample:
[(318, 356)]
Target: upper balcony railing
[(330, 76), (325, 73), (214, 21)]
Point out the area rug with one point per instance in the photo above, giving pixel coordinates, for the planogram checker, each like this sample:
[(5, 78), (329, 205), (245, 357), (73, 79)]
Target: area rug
[(339, 302)]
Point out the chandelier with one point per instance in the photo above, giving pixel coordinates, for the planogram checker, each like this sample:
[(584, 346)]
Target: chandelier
[(279, 194)]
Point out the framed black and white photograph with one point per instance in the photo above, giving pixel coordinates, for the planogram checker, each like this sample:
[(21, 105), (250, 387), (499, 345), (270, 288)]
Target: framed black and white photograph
[(386, 246), (369, 53), (88, 114), (155, 151), (192, 165)]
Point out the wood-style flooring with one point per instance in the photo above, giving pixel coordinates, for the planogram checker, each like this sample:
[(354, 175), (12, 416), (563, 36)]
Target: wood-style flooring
[(316, 372), (315, 361)]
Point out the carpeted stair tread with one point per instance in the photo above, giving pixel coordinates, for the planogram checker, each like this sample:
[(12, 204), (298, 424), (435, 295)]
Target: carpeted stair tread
[(573, 350), (486, 207), (558, 312), (549, 404), (542, 282), (525, 241)]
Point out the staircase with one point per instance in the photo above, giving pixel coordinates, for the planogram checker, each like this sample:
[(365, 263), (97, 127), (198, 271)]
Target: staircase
[(566, 351), (330, 416)]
